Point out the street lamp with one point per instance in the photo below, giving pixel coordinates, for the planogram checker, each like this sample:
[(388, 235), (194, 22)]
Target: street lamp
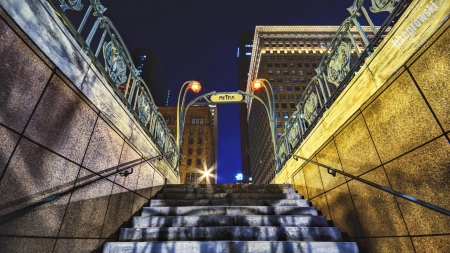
[(195, 87), (256, 85)]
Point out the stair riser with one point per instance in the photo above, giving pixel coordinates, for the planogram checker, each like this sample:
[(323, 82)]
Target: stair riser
[(243, 210), (228, 196), (226, 190), (329, 234), (209, 221), (230, 186), (228, 202), (231, 247)]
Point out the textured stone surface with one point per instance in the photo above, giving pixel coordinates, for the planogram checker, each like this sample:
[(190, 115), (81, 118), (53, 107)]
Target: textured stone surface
[(377, 210), (313, 179), (42, 221), (321, 204), (145, 182), (228, 210), (424, 174), (119, 211), (86, 211), (329, 156), (63, 122), (427, 244), (233, 201), (343, 212), (23, 244), (396, 126), (138, 203), (300, 184), (390, 244), (76, 245), (34, 173), (23, 78), (431, 72), (129, 155), (8, 141), (356, 149), (103, 152)]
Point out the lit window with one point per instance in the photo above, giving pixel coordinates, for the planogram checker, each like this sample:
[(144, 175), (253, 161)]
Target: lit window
[(288, 80), (286, 115), (303, 80), (278, 72), (300, 72), (201, 121), (292, 72), (274, 88), (295, 80), (290, 58), (188, 178), (270, 72), (289, 88), (278, 124), (291, 65), (278, 115), (248, 53), (268, 58), (272, 79), (281, 88), (283, 58)]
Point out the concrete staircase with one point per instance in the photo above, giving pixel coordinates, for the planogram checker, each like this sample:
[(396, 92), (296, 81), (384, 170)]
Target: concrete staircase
[(230, 218)]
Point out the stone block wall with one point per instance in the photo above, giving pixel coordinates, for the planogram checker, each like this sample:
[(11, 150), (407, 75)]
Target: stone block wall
[(399, 138), (52, 138)]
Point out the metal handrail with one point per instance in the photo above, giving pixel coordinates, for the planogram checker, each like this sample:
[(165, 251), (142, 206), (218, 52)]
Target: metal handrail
[(123, 171), (318, 97), (333, 171), (136, 96)]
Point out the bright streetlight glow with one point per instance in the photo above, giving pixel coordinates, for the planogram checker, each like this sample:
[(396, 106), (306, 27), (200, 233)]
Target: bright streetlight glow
[(256, 85), (195, 86)]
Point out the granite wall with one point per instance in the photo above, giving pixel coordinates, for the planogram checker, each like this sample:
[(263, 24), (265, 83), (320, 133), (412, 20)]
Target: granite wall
[(53, 138), (399, 138)]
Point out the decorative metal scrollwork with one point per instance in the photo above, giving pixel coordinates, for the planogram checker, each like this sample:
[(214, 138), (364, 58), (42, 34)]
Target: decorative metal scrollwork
[(339, 64), (310, 107), (144, 108), (383, 5), (71, 5), (294, 136), (115, 65)]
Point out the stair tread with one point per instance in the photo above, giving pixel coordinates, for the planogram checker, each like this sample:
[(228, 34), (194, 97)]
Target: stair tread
[(229, 202), (228, 210)]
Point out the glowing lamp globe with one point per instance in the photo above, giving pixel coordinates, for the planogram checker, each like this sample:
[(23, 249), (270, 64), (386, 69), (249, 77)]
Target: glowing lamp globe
[(195, 86), (256, 85)]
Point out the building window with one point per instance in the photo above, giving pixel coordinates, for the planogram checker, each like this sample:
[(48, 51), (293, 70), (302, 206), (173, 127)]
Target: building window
[(287, 80), (281, 88), (283, 58), (188, 179), (272, 79), (274, 88), (282, 96), (199, 162), (201, 121), (192, 131), (297, 88), (191, 141), (198, 178), (200, 131), (278, 124), (278, 115), (303, 80), (189, 151), (312, 58), (269, 65), (291, 96), (276, 105), (200, 140), (189, 161), (199, 151), (286, 115), (193, 178), (289, 88), (295, 80), (286, 72), (299, 65), (293, 72), (298, 96), (193, 121), (301, 72), (306, 65), (291, 65), (270, 72), (268, 58), (279, 80), (277, 65), (292, 105), (275, 96), (275, 58), (290, 58), (314, 65), (278, 72), (297, 58), (284, 65), (309, 72), (284, 105), (305, 58)]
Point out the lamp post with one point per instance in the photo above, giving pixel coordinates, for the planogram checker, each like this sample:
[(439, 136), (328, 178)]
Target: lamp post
[(256, 85), (195, 87)]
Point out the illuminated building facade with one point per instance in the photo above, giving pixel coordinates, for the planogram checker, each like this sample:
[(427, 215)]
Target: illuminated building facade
[(199, 143), (287, 57)]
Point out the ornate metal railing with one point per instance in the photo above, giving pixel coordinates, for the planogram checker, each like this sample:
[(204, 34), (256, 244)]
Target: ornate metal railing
[(335, 71), (119, 70)]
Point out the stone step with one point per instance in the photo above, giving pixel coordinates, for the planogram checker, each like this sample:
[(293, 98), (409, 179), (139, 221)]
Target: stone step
[(227, 190), (229, 202), (226, 220), (228, 196), (228, 210), (232, 186), (233, 233), (231, 247)]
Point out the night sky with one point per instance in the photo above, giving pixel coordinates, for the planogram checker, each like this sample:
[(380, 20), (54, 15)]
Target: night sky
[(197, 40)]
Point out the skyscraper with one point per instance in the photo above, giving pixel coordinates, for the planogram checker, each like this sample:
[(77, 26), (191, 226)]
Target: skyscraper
[(153, 75), (199, 142), (287, 57), (243, 62)]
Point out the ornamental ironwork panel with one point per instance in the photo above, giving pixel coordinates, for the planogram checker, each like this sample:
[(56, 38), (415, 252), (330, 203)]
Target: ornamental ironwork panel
[(115, 65), (71, 5), (339, 65), (144, 108), (310, 107), (383, 5)]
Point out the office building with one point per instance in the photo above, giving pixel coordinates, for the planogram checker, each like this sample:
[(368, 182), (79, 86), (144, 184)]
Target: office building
[(199, 142), (287, 57)]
